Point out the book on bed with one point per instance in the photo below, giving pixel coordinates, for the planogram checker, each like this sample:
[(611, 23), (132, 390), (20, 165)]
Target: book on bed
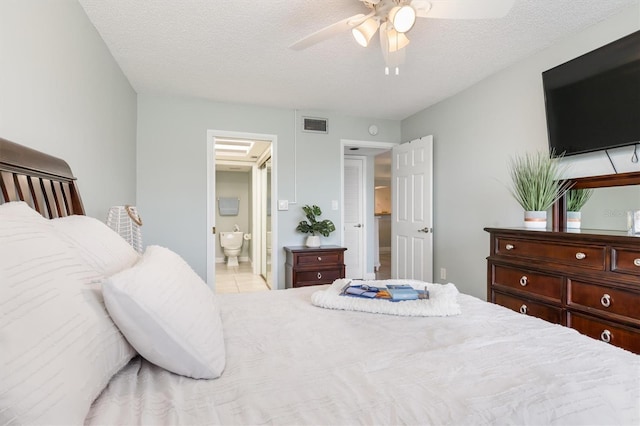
[(402, 292), (392, 292)]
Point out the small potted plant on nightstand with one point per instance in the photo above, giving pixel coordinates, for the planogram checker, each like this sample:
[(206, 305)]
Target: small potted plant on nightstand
[(314, 226), (536, 184), (576, 199)]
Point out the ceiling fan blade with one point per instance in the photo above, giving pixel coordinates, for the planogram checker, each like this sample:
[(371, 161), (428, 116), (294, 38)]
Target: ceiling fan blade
[(462, 9), (328, 32)]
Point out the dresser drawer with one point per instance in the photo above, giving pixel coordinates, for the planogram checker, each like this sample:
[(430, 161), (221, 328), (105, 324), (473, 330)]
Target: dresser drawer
[(625, 260), (585, 256), (317, 277), (531, 282), (615, 301), (527, 307), (310, 259), (624, 337)]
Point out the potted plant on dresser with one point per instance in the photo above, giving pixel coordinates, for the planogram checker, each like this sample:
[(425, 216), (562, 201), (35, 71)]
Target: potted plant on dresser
[(314, 226), (536, 183), (576, 199)]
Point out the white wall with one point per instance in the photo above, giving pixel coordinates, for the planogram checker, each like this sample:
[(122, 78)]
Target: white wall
[(61, 92), (172, 168), (476, 132)]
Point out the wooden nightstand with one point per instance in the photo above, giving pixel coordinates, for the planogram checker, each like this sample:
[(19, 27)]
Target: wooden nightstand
[(313, 265)]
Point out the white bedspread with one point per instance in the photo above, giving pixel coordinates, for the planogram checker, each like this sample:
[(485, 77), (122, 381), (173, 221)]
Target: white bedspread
[(291, 363)]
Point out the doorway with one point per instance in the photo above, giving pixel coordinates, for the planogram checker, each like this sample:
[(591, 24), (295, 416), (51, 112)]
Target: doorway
[(372, 261), (240, 171)]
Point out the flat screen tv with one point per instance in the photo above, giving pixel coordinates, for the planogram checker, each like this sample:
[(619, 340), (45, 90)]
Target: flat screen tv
[(593, 101)]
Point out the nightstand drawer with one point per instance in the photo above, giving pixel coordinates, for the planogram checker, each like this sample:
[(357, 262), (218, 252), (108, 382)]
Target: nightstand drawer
[(527, 307), (329, 258), (626, 261), (624, 337), (584, 256), (615, 301), (531, 282), (321, 276)]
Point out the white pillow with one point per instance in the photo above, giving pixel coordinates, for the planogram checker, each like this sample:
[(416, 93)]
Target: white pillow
[(100, 246), (58, 345), (20, 210), (168, 314)]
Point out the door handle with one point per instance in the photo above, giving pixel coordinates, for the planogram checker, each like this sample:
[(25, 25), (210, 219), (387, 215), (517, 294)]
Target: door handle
[(425, 230), (358, 225)]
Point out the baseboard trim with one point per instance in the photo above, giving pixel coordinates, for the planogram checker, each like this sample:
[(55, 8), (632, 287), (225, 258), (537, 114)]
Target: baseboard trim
[(241, 259)]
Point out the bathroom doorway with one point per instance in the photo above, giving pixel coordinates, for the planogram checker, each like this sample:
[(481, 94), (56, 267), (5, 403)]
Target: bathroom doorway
[(239, 192)]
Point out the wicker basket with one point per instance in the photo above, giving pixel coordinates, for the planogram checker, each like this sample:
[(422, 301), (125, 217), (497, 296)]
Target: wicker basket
[(127, 223)]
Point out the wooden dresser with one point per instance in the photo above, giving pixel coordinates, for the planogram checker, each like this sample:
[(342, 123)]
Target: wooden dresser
[(313, 266), (588, 280)]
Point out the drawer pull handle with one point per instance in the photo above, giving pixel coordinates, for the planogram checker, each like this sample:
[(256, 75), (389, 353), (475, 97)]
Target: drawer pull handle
[(319, 276), (509, 247), (580, 255), (524, 281), (523, 309), (636, 261), (605, 336), (605, 300), (319, 259)]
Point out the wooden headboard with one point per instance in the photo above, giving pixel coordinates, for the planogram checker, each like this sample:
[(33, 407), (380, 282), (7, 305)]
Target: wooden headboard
[(42, 181)]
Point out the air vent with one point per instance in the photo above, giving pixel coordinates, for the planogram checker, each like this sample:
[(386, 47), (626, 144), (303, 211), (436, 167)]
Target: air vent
[(315, 125)]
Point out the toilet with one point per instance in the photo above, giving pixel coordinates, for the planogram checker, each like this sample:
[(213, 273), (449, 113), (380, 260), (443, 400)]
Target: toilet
[(231, 243)]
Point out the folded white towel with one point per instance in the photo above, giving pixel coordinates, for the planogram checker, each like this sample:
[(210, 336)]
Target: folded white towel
[(443, 300)]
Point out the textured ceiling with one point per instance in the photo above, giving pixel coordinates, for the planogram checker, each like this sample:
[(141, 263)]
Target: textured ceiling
[(237, 51)]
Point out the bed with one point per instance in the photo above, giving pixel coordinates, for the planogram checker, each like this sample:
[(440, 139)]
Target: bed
[(281, 360)]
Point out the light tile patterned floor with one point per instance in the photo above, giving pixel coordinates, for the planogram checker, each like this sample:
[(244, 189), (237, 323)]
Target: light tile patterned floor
[(238, 279)]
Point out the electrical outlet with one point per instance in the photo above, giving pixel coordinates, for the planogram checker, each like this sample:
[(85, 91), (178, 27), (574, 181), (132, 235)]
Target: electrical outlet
[(443, 273)]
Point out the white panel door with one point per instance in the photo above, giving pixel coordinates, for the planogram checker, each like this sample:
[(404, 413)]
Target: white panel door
[(354, 258), (412, 211)]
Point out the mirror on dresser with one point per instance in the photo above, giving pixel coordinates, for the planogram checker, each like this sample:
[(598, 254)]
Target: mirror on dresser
[(607, 209)]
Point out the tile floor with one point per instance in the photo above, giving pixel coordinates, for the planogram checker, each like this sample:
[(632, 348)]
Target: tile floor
[(238, 279)]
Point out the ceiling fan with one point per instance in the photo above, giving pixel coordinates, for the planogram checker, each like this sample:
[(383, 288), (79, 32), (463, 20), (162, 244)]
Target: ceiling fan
[(395, 18)]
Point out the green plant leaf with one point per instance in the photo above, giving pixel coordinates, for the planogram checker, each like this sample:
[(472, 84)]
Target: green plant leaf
[(537, 180), (577, 198), (312, 225)]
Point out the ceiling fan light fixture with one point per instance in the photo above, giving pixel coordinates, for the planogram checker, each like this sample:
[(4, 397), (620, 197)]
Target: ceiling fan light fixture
[(393, 46), (396, 40), (365, 31), (402, 18)]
